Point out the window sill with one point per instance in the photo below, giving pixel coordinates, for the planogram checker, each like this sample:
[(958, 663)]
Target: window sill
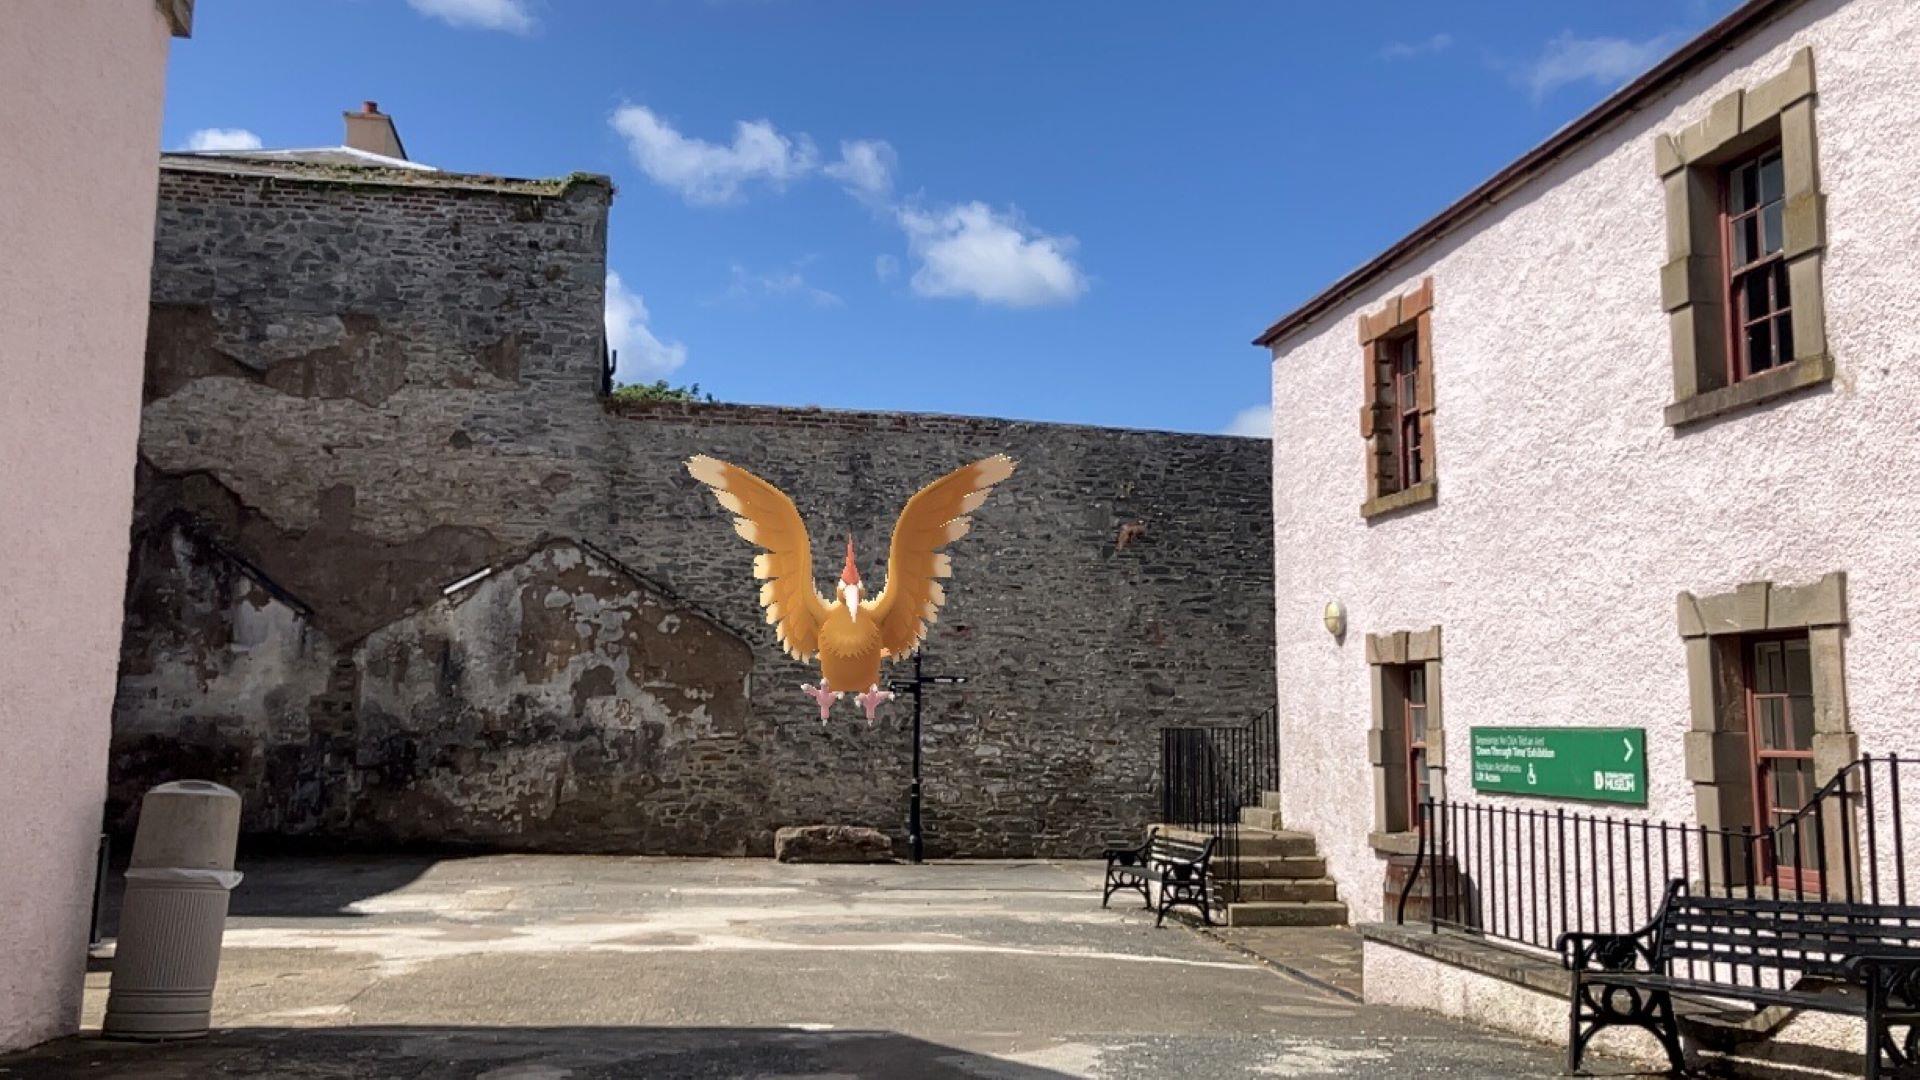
[(1423, 492), (1766, 386), (1395, 843)]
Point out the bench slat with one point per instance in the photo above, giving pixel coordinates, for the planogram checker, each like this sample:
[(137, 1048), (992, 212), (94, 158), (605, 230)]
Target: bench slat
[(1760, 902), (1759, 946), (1749, 926), (1775, 934), (1836, 1000), (1775, 919)]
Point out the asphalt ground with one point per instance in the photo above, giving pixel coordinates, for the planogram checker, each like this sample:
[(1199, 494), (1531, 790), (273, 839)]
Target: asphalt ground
[(562, 967)]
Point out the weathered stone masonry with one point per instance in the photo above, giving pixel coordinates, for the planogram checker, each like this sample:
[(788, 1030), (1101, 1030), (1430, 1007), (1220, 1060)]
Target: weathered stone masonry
[(365, 387)]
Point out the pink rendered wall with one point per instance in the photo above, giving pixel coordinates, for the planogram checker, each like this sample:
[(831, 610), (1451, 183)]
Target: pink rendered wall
[(81, 83), (1569, 514)]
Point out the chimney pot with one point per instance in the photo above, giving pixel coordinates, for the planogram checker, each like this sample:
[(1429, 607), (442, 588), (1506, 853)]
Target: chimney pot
[(370, 107)]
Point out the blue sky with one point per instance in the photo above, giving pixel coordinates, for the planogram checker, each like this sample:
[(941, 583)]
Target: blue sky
[(1061, 211)]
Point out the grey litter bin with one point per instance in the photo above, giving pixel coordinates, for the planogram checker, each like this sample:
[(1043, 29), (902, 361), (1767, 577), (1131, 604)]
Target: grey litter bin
[(173, 911)]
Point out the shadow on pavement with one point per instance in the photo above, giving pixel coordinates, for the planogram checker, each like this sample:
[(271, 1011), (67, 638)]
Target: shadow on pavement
[(309, 886), (524, 1053), (317, 885)]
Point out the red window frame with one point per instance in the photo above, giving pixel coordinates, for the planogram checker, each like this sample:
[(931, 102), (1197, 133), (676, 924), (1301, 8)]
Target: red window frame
[(1413, 727), (1759, 306), (1766, 759), (1403, 354)]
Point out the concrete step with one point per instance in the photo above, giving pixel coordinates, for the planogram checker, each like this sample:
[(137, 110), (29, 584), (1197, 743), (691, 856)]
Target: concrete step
[(1281, 913), (1253, 842), (1270, 800), (1291, 890), (1290, 867), (1260, 817)]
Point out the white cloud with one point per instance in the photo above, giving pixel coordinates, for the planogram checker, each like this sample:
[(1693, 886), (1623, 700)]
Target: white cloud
[(643, 357), (1604, 61), (748, 286), (1407, 50), (866, 167), (961, 250), (706, 173), (509, 15), (1255, 422), (969, 250), (223, 139)]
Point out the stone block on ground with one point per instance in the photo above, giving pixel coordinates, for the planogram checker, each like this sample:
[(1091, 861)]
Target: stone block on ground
[(831, 844)]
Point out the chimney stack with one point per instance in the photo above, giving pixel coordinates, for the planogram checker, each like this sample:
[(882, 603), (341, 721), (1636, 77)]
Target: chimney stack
[(373, 131)]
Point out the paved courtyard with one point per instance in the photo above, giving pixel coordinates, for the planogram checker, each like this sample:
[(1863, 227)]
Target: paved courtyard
[(553, 968)]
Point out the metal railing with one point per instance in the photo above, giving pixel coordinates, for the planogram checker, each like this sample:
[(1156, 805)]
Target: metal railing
[(1207, 774), (1526, 875)]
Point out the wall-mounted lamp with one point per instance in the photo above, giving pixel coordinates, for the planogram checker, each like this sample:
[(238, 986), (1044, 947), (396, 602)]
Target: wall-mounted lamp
[(1336, 618)]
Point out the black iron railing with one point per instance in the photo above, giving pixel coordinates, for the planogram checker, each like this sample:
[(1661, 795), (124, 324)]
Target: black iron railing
[(1263, 771), (1207, 774), (1527, 875)]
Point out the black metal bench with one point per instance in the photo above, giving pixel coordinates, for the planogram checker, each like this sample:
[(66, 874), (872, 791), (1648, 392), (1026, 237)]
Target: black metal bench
[(1854, 959), (1179, 866)]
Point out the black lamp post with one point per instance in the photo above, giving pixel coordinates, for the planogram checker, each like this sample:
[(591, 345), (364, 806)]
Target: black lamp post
[(917, 686)]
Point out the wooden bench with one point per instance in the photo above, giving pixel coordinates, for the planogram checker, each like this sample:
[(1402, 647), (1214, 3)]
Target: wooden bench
[(1178, 865), (1854, 959)]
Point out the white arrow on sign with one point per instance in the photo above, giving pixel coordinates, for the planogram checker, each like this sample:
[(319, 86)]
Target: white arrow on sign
[(1629, 743)]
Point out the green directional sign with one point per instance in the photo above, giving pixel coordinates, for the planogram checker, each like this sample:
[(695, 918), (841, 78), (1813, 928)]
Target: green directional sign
[(1603, 764)]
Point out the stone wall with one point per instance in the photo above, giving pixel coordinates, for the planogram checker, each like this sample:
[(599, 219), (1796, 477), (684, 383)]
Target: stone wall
[(364, 388)]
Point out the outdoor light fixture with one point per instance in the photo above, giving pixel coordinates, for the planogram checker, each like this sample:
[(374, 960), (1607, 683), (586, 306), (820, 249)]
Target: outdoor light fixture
[(1336, 618)]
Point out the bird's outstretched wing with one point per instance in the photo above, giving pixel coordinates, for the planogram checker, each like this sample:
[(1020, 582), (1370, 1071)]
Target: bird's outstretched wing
[(768, 519), (933, 518)]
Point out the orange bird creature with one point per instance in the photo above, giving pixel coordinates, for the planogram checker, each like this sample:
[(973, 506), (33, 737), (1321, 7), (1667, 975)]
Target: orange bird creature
[(850, 635)]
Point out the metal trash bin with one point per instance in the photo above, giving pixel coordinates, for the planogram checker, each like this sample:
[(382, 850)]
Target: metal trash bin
[(173, 912)]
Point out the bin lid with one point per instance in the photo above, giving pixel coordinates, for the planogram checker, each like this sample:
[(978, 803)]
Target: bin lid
[(195, 787), (187, 823)]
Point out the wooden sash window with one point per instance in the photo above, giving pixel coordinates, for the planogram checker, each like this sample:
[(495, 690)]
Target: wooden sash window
[(1396, 408), (1405, 354), (1759, 308), (1419, 787), (1779, 679)]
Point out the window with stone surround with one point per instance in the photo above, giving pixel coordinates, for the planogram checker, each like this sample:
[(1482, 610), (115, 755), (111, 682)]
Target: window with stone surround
[(1396, 412), (1746, 233), (1767, 690), (1406, 742)]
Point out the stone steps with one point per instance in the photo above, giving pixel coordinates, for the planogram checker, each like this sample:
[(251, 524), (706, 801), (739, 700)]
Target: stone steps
[(1290, 867), (1281, 876), (1289, 890)]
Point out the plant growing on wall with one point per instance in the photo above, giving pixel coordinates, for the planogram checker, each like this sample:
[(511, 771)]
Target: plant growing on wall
[(658, 391)]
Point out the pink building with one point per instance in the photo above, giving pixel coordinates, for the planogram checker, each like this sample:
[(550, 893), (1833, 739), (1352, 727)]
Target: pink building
[(1623, 439), (82, 83)]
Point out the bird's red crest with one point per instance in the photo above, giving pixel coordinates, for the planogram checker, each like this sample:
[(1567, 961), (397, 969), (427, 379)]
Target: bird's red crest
[(850, 574)]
